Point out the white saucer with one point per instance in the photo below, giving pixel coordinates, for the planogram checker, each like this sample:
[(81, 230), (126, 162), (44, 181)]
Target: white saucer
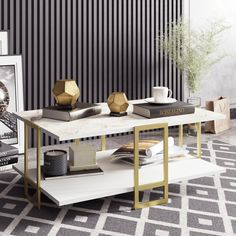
[(168, 101)]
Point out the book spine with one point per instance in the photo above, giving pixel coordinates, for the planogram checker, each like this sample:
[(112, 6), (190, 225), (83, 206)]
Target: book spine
[(86, 113), (8, 153), (8, 160), (172, 111), (7, 167)]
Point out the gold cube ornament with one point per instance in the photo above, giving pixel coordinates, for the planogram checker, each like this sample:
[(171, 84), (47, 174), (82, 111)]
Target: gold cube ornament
[(118, 104), (66, 92)]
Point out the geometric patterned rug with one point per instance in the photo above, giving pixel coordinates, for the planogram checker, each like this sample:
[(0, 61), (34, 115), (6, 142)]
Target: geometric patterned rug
[(200, 207)]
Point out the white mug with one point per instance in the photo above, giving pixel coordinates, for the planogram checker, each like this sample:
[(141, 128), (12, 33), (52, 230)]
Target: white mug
[(160, 94)]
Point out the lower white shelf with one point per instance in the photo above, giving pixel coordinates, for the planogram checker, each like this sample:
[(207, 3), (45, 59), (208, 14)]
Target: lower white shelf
[(118, 178)]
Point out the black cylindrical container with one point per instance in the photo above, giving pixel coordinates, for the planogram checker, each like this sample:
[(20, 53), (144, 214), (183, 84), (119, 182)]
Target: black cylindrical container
[(55, 163)]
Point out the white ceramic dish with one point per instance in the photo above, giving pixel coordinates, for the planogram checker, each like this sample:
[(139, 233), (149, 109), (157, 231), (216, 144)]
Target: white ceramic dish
[(168, 101)]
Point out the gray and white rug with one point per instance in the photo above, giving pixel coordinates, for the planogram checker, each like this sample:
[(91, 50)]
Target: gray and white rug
[(200, 207)]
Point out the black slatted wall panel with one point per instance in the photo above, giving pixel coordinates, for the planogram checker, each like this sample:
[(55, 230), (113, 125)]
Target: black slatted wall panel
[(105, 45)]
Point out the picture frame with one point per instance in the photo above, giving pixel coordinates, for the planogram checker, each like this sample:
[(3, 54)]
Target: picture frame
[(4, 42), (11, 100)]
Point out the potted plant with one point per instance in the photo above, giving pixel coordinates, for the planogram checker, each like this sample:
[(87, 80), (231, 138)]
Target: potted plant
[(192, 51)]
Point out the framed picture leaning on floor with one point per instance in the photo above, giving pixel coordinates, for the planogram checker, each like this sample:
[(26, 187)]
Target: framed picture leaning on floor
[(3, 42), (11, 100)]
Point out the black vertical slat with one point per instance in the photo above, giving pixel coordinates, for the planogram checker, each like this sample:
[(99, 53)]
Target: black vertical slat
[(106, 45), (168, 66), (6, 14), (159, 52), (68, 33), (121, 54), (109, 45), (74, 43), (172, 65), (36, 42), (90, 65), (95, 77), (100, 33), (1, 14), (79, 48), (124, 44), (84, 49), (11, 25), (41, 55), (152, 45), (129, 34), (115, 48), (58, 39), (148, 32), (30, 49), (87, 30), (24, 45), (163, 22), (18, 29), (46, 50), (113, 81), (63, 36), (145, 82), (135, 49)]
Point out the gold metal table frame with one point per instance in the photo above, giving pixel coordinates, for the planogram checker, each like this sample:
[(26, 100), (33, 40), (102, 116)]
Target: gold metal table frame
[(164, 183), (36, 198)]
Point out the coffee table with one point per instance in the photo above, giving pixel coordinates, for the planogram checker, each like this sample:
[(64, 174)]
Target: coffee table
[(118, 177)]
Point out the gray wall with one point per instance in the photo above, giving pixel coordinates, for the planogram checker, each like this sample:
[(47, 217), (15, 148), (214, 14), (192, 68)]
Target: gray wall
[(221, 79), (105, 45)]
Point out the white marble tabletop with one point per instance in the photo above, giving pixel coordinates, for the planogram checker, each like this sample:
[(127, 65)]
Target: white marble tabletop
[(104, 124)]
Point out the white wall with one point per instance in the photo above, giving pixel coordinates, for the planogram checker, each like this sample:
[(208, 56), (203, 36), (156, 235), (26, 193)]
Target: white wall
[(221, 81)]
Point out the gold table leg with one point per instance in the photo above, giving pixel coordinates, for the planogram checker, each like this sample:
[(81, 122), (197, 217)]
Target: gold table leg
[(199, 151), (77, 141), (103, 142), (26, 160), (36, 199), (164, 183), (38, 167), (181, 135)]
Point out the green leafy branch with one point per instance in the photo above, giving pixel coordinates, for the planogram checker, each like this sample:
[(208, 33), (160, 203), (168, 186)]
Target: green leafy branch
[(192, 50)]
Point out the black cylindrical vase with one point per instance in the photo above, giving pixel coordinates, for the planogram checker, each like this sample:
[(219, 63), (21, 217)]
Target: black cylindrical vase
[(55, 163)]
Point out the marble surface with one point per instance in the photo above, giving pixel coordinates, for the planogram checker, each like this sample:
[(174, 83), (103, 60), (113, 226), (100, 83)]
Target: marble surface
[(103, 124)]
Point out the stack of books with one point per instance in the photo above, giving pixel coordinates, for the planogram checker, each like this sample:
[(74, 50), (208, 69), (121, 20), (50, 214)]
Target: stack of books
[(8, 156), (81, 110), (150, 152)]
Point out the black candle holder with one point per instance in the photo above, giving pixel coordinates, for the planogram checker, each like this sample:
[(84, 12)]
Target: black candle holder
[(55, 163)]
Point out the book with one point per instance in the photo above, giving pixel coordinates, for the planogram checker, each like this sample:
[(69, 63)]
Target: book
[(8, 160), (5, 168), (80, 111), (88, 167), (150, 110), (173, 152), (7, 150), (78, 173), (147, 148)]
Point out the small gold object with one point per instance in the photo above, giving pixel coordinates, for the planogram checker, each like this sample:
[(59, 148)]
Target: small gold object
[(118, 103), (66, 92)]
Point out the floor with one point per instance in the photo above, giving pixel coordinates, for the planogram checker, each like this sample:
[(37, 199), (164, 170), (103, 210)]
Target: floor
[(228, 136)]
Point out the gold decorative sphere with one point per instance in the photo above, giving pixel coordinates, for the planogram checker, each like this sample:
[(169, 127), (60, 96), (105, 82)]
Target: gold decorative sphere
[(66, 92), (117, 102)]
